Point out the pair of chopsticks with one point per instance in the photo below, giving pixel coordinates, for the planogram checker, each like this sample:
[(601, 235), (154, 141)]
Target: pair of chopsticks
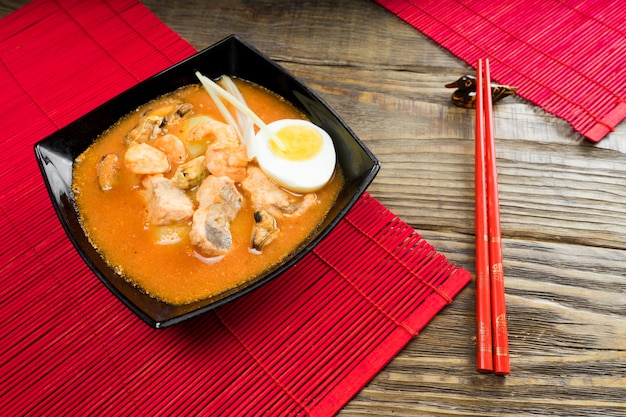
[(492, 340)]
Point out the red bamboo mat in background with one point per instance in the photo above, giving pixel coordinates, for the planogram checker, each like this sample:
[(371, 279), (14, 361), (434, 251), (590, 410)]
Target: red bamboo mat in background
[(566, 56), (304, 344)]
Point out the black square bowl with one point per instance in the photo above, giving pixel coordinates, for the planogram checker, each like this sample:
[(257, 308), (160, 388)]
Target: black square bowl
[(56, 154)]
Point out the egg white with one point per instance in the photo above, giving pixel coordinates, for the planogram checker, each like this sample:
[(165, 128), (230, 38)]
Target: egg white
[(298, 176)]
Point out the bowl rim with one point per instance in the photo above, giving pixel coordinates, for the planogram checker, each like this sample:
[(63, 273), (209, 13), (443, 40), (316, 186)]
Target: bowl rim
[(51, 154)]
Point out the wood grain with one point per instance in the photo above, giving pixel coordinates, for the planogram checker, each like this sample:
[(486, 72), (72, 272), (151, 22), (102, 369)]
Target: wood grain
[(563, 208)]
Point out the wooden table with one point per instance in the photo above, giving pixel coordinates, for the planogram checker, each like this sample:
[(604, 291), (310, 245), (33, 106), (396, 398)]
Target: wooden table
[(563, 207)]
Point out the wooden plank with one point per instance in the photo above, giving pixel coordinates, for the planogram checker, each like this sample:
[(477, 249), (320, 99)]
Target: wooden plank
[(563, 206)]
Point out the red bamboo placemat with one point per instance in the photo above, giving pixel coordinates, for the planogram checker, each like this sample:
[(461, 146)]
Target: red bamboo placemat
[(566, 56), (304, 344)]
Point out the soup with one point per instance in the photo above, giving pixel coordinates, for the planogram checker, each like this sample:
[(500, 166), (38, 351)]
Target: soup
[(161, 224)]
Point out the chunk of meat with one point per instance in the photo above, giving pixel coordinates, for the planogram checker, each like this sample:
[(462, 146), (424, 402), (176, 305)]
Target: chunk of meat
[(210, 231), (267, 195), (165, 203), (190, 174), (147, 128), (141, 158), (219, 202), (219, 190), (109, 171)]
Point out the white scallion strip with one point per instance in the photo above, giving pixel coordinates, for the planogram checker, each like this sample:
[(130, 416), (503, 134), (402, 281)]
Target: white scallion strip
[(245, 124), (222, 108), (210, 85)]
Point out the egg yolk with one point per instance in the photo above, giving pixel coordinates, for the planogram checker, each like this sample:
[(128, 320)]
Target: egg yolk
[(300, 142)]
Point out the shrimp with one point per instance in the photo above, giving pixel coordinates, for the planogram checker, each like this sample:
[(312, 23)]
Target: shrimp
[(225, 154), (173, 147), (212, 130)]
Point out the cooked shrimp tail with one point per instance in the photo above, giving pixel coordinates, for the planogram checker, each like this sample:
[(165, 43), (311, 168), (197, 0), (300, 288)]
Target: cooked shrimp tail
[(213, 89), (246, 127), (225, 155)]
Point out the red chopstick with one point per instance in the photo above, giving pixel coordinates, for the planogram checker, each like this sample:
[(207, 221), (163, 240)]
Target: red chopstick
[(499, 328), (484, 359)]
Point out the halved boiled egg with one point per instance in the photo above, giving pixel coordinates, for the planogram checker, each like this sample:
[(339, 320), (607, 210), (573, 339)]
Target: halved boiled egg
[(303, 162)]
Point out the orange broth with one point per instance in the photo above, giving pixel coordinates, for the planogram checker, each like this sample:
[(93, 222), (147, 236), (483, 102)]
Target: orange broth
[(114, 220)]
